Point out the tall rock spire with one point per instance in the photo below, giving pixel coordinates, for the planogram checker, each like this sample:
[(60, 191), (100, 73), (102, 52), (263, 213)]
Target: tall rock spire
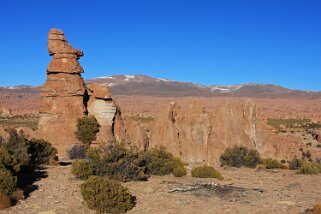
[(63, 94)]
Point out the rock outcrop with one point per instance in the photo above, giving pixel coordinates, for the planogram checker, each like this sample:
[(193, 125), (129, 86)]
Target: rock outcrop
[(184, 128), (62, 95), (199, 136), (65, 98), (103, 108)]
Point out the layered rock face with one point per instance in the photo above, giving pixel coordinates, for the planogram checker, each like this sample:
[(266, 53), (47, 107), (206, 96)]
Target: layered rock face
[(62, 95), (184, 128), (197, 135), (103, 108)]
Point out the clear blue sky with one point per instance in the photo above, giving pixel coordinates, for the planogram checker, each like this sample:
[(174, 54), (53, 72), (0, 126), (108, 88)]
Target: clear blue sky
[(207, 42)]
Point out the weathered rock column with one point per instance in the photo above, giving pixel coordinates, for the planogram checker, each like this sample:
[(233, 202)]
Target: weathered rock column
[(62, 95), (103, 108)]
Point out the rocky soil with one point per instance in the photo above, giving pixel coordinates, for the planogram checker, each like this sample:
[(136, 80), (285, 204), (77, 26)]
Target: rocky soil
[(242, 190), (54, 191)]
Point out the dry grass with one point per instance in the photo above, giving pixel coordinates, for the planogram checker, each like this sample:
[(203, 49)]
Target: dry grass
[(30, 121)]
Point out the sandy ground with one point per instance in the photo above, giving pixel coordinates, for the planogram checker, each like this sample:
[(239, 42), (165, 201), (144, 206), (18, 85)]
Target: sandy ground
[(249, 191)]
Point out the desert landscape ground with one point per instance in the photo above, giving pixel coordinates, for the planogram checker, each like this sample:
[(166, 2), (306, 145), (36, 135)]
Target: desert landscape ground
[(249, 191)]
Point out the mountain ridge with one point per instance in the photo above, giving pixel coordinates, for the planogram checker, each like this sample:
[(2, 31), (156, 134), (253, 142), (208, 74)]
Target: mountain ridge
[(151, 86)]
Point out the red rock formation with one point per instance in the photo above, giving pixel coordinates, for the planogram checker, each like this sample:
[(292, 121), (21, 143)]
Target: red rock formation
[(190, 131), (135, 133), (103, 108), (62, 95), (65, 98), (184, 128)]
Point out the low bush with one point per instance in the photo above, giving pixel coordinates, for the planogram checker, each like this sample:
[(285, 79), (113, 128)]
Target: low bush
[(17, 146), (295, 164), (41, 152), (270, 163), (161, 162), (82, 168), (206, 172), (106, 196), (87, 128), (17, 153), (77, 152), (179, 171), (7, 160), (310, 168), (94, 154), (5, 201), (8, 182), (238, 156), (120, 163)]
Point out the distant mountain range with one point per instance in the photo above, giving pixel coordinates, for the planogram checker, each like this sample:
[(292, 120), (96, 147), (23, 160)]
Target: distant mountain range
[(150, 86)]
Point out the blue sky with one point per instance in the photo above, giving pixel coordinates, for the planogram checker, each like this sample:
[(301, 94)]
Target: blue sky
[(207, 42)]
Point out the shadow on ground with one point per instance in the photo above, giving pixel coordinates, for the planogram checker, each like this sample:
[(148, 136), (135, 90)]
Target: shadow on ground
[(27, 178)]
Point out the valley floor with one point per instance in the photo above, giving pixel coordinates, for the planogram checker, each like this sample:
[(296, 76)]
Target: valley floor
[(247, 191)]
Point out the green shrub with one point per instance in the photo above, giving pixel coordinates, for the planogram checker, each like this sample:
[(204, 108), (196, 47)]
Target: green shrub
[(82, 168), (17, 151), (120, 163), (310, 168), (78, 152), (7, 160), (161, 162), (206, 172), (238, 156), (106, 196), (270, 163), (17, 145), (179, 171), (5, 201), (94, 154), (41, 152), (7, 181), (87, 128), (295, 163)]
